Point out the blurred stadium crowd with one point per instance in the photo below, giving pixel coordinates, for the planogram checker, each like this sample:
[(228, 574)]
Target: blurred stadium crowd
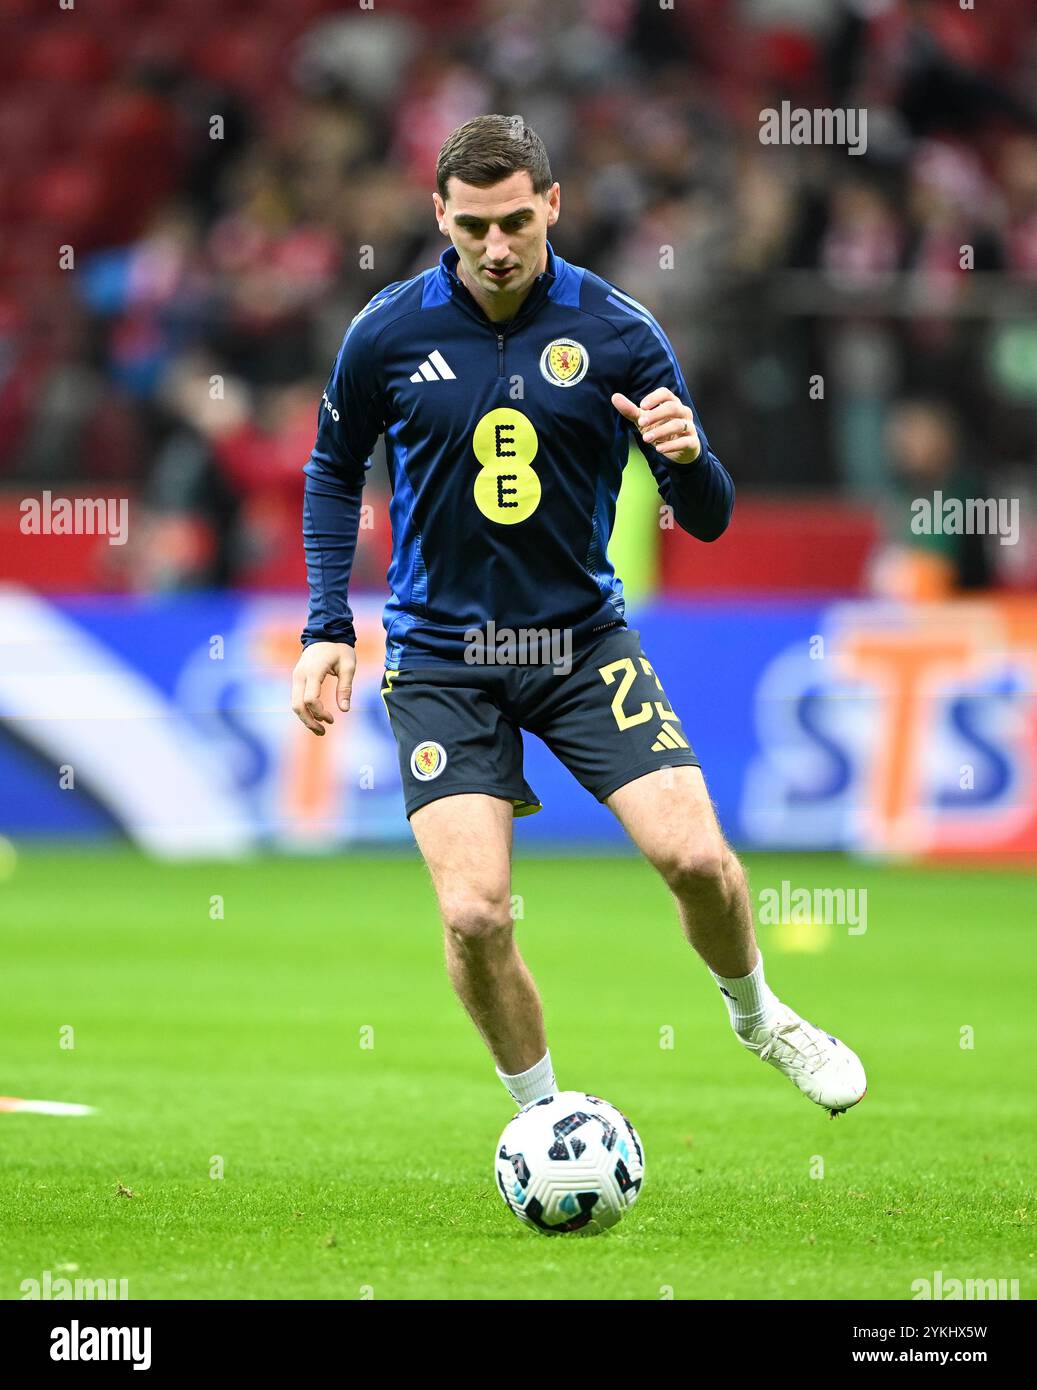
[(223, 171)]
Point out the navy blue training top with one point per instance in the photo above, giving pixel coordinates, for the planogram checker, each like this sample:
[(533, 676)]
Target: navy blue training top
[(505, 456)]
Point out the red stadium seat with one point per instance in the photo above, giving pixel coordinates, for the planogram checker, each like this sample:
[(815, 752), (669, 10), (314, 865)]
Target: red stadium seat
[(70, 196), (301, 13), (162, 38), (18, 13), (34, 125), (67, 53), (21, 128), (30, 253), (248, 58), (119, 11)]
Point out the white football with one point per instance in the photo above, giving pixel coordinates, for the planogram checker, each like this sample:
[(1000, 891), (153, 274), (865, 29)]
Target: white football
[(570, 1164)]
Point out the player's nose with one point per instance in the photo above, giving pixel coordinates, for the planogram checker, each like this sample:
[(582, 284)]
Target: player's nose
[(497, 248)]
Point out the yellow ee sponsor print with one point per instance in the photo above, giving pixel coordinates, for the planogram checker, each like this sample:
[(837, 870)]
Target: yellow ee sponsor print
[(506, 488)]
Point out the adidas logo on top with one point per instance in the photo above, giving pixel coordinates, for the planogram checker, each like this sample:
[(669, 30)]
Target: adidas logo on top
[(434, 368)]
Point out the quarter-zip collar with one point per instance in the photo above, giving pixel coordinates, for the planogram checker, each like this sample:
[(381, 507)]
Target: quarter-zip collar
[(464, 298)]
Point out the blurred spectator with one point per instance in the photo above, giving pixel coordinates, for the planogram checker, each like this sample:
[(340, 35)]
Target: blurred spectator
[(236, 185), (191, 507), (927, 465)]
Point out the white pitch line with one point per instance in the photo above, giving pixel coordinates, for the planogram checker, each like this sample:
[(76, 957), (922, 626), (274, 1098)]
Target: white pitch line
[(44, 1107)]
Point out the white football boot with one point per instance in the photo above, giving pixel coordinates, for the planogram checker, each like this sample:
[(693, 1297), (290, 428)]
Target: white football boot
[(821, 1066)]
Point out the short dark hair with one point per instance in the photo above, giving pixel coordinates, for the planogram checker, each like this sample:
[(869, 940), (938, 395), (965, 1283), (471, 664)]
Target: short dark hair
[(488, 149)]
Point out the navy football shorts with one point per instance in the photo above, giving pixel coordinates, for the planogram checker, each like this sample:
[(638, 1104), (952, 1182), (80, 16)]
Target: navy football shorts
[(458, 728)]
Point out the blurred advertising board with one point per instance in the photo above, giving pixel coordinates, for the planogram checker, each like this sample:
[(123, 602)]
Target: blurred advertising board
[(885, 729)]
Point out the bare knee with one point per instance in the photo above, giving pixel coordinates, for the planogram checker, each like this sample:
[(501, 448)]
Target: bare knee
[(478, 919), (701, 869)]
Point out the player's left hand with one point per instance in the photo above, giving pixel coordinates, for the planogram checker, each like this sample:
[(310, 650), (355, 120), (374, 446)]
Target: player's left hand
[(665, 422)]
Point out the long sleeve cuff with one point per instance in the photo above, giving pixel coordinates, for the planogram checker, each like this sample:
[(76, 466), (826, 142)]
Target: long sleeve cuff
[(331, 524), (701, 493)]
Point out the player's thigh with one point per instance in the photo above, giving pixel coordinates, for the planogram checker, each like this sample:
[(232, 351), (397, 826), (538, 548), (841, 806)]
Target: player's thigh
[(669, 816), (466, 842)]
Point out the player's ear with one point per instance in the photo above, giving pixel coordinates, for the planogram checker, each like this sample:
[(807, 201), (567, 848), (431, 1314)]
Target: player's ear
[(440, 210), (554, 203)]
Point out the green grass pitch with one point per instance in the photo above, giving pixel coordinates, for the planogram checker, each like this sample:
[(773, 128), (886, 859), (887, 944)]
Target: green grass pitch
[(353, 1172)]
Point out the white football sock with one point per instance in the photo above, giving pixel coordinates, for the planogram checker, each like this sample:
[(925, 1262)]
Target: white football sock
[(748, 999), (534, 1084)]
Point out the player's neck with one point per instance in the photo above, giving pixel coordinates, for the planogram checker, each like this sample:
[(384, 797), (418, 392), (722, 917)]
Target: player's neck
[(499, 308)]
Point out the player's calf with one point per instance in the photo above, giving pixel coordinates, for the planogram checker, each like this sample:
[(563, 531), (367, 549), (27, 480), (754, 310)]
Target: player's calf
[(712, 897), (499, 994)]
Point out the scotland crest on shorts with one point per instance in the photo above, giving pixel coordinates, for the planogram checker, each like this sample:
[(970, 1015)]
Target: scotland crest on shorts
[(428, 760), (564, 362)]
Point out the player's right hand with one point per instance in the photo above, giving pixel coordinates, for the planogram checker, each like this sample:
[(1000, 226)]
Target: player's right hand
[(319, 660)]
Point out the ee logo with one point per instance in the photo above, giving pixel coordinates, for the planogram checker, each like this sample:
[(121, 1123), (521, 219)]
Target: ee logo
[(506, 488)]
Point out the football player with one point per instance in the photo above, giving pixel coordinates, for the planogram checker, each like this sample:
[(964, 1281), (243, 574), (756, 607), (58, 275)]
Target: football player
[(506, 382)]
